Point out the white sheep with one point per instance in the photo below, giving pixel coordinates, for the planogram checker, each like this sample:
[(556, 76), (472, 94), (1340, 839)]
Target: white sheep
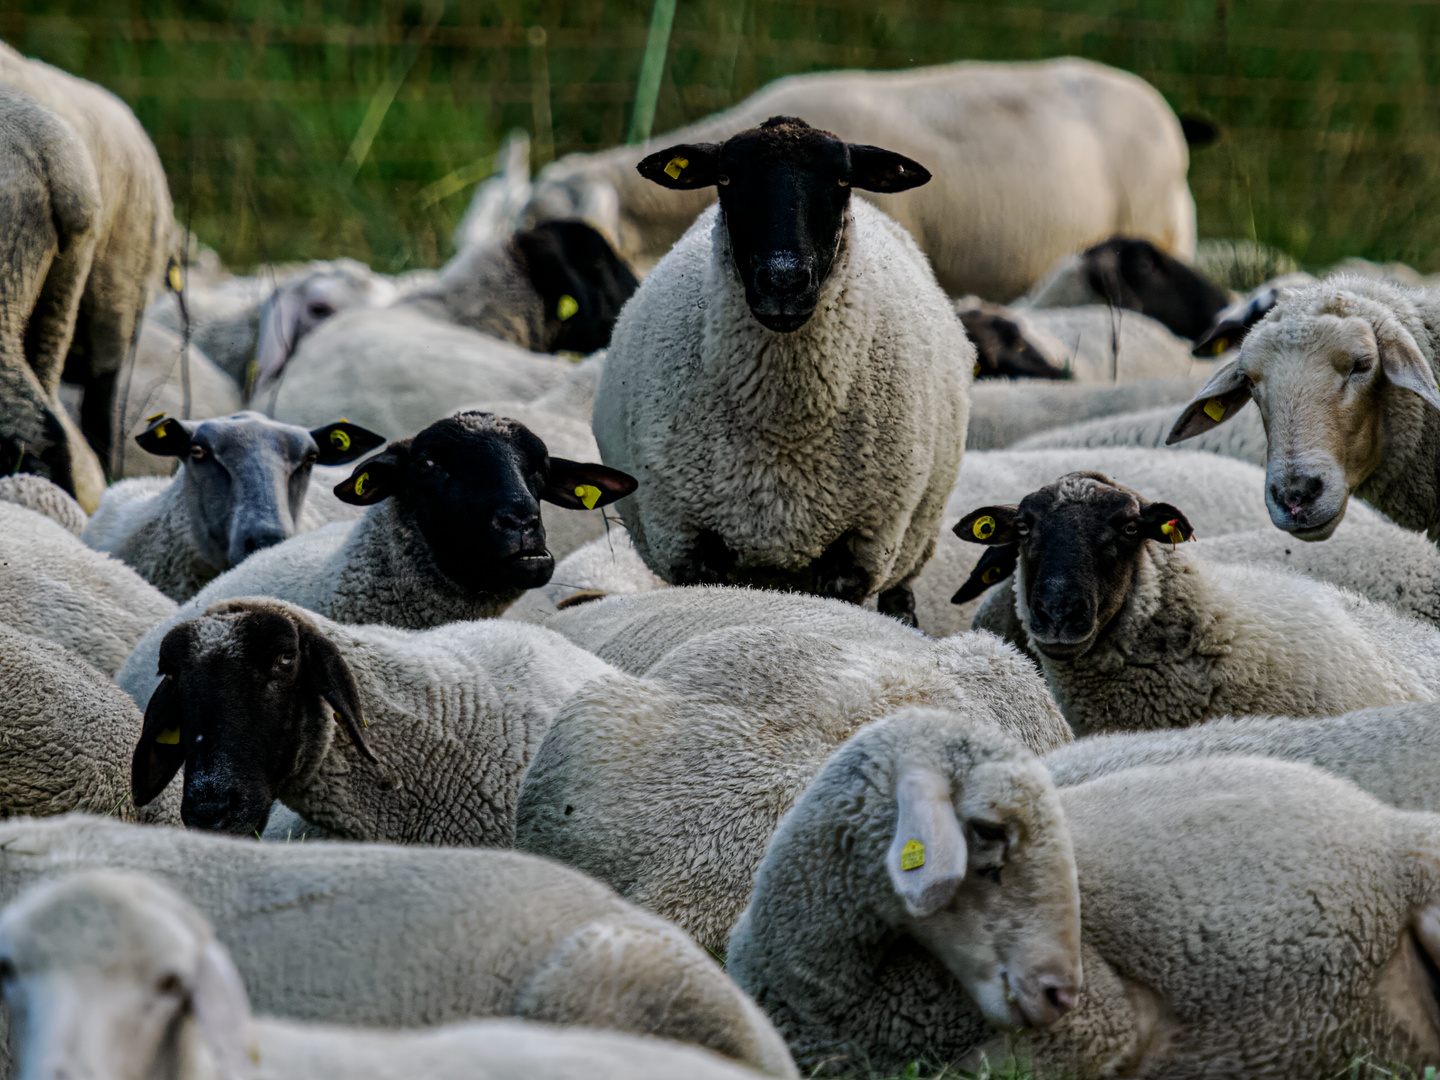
[(242, 486), (1247, 917), (440, 724), (922, 885), (756, 705), (44, 497), (53, 586), (453, 532), (115, 974), (391, 936), (789, 386), (1002, 412), (1243, 439), (606, 566), (1134, 630)]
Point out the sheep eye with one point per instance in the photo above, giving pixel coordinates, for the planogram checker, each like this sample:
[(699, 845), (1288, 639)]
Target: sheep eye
[(988, 831), (1131, 529), (723, 180), (285, 659), (1360, 366), (311, 458), (321, 311), (843, 182), (169, 984), (198, 453)]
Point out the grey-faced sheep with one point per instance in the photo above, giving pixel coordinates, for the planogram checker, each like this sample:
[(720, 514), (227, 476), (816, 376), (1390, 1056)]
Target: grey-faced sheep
[(789, 384), (755, 707), (114, 974), (1075, 152), (440, 724), (241, 487), (453, 532), (922, 885), (1133, 631), (1002, 412), (1245, 917), (44, 497), (457, 933), (53, 586)]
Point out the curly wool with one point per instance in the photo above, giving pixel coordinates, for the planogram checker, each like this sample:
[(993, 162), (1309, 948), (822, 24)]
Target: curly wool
[(1004, 411), (38, 494), (1243, 437), (780, 444)]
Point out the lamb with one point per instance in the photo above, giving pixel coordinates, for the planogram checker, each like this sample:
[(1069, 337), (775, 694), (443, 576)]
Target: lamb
[(606, 566), (66, 732), (1329, 368), (1075, 152), (1247, 917), (142, 988), (453, 532), (458, 933), (923, 884), (241, 488), (1134, 632), (756, 705), (1244, 439), (53, 586), (38, 494), (1003, 412), (446, 721), (789, 384), (1388, 752)]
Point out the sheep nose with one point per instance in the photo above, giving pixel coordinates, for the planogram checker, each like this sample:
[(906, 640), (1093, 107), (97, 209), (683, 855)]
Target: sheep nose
[(1298, 494), (782, 273), (517, 519), (1059, 994)]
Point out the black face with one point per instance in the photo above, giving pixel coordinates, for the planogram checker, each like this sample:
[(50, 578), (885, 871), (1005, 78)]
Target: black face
[(37, 445), (784, 188), (581, 281), (1231, 325), (1001, 351), (1135, 274)]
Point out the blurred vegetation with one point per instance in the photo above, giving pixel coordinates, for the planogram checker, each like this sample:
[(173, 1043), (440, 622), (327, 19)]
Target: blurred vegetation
[(1327, 108)]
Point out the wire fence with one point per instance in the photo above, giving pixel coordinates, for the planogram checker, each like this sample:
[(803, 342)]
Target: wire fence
[(311, 128)]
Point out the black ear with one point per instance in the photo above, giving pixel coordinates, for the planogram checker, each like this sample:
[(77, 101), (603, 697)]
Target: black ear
[(1105, 269), (376, 479), (344, 442), (683, 167), (576, 485), (1165, 523), (873, 169), (158, 755), (331, 678), (165, 437), (993, 525), (994, 566)]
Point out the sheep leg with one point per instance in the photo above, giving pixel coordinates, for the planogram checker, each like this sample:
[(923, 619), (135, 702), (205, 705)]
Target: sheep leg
[(837, 573), (898, 602), (709, 562)]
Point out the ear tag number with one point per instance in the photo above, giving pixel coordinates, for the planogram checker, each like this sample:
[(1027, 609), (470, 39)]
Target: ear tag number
[(566, 308), (169, 737), (360, 482), (983, 528), (676, 167), (1215, 409), (588, 494), (340, 440), (912, 855)]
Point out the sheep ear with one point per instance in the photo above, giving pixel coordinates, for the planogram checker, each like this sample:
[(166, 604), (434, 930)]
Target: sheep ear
[(579, 486), (993, 525), (279, 327), (376, 479), (995, 565), (165, 437), (331, 677), (222, 1012), (1403, 363), (874, 169), (1218, 400), (1164, 523), (927, 857), (342, 443), (683, 167), (158, 755)]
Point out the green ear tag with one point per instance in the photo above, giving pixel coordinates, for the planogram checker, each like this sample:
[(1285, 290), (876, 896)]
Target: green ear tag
[(912, 855), (1215, 409), (676, 167), (588, 494), (169, 737), (567, 307)]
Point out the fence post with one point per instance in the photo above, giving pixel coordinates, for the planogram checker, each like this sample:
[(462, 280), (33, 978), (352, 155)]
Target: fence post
[(647, 91)]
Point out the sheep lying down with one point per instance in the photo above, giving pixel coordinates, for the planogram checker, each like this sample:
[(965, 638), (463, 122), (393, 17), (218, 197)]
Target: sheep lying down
[(114, 974)]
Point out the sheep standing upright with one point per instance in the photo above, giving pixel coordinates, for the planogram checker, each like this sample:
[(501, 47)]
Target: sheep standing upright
[(790, 385)]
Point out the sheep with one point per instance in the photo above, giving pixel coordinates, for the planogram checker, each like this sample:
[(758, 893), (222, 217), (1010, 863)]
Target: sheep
[(1241, 264), (451, 717), (1247, 917), (756, 707), (91, 302), (241, 488), (66, 733), (1074, 152), (1003, 412), (1135, 632), (1244, 439), (1388, 752), (862, 957), (38, 494), (53, 586), (1004, 349), (789, 384), (574, 395), (1327, 368), (453, 532), (606, 566), (453, 933)]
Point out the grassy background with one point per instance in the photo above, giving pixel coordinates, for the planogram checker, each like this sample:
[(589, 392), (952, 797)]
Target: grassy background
[(1328, 108)]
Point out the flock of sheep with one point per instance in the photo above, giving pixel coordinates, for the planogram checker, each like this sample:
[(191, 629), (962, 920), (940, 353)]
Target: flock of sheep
[(919, 706)]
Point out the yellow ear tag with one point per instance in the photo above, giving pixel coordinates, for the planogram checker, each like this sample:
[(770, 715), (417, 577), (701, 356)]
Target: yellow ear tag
[(976, 372), (588, 494), (676, 167), (360, 483), (912, 855), (152, 419), (163, 430), (176, 281), (983, 528), (169, 737), (1221, 344), (340, 440), (1215, 409), (567, 307), (989, 576)]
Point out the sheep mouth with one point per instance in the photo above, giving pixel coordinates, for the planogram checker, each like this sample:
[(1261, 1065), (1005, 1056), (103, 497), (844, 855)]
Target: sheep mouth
[(1061, 648), (530, 569), (1314, 533)]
